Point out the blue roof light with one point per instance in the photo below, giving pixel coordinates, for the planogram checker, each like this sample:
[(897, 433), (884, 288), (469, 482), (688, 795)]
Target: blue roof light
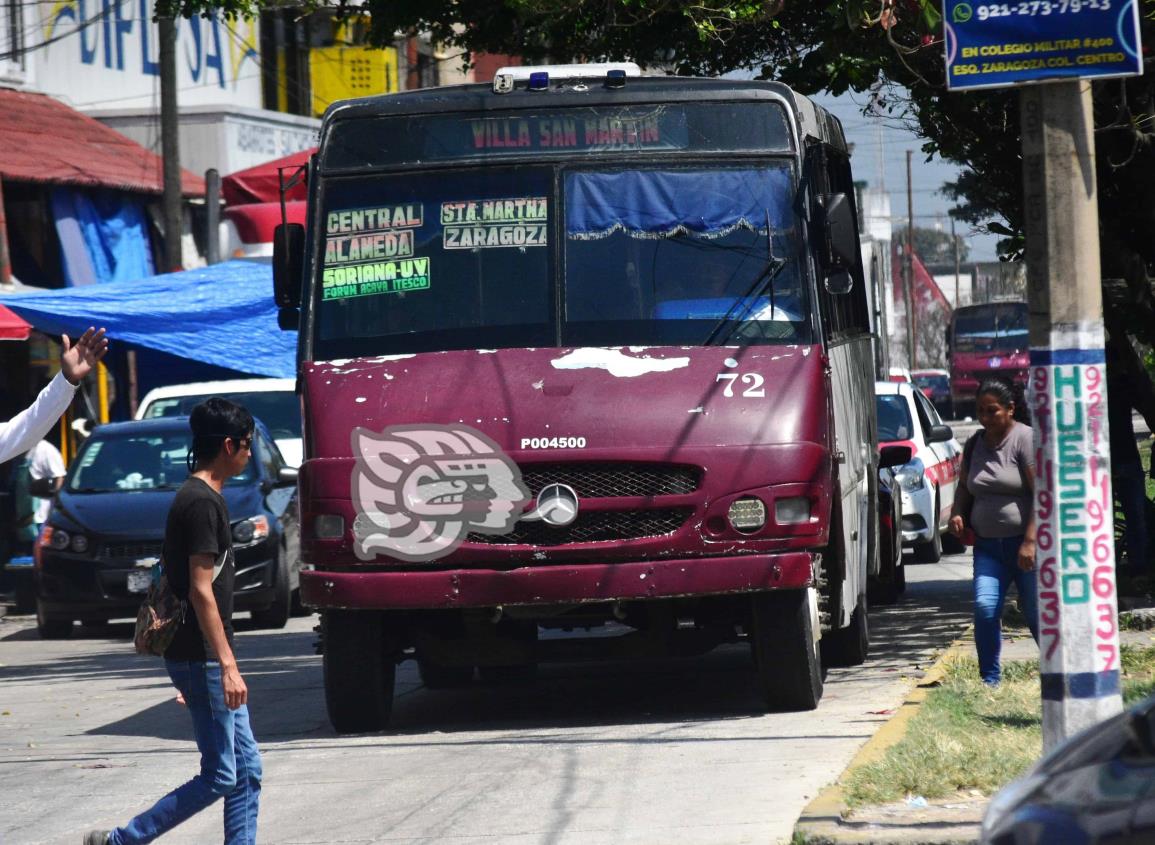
[(615, 78), (538, 81)]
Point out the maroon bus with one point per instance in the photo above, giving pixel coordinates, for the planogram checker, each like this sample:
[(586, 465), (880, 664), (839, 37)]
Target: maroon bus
[(581, 350), (986, 341)]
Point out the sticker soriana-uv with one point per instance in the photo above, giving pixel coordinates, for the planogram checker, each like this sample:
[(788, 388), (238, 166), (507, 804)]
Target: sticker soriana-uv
[(408, 274)]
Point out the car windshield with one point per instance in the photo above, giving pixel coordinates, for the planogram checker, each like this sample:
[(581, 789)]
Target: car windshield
[(468, 259), (894, 421), (117, 463), (995, 327), (279, 410)]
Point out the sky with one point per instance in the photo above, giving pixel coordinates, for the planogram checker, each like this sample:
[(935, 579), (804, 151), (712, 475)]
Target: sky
[(880, 154)]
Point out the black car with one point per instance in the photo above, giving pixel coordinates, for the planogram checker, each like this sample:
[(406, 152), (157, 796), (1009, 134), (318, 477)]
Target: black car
[(890, 582), (94, 557), (1096, 787)]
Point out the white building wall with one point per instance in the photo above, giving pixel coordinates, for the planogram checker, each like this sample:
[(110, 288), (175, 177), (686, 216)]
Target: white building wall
[(107, 56)]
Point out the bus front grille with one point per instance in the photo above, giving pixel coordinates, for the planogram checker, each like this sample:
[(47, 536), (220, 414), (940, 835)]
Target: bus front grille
[(612, 480), (592, 527)]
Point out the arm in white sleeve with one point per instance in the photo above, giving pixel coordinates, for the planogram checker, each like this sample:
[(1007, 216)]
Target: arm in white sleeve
[(28, 428)]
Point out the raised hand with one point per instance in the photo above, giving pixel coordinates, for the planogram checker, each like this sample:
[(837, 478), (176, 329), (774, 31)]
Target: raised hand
[(78, 360)]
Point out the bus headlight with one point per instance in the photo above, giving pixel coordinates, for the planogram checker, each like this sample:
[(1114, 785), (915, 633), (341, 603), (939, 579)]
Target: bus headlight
[(329, 526), (911, 476), (792, 511), (747, 514)]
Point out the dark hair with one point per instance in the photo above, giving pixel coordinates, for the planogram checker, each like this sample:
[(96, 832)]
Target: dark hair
[(1006, 395), (212, 421)]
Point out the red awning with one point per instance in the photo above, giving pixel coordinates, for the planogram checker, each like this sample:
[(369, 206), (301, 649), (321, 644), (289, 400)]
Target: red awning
[(262, 183), (255, 222), (12, 327), (43, 140)]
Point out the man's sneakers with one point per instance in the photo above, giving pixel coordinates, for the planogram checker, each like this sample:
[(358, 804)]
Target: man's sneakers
[(96, 837)]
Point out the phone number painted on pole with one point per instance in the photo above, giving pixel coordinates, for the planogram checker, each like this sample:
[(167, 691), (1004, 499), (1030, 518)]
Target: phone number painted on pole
[(1000, 44)]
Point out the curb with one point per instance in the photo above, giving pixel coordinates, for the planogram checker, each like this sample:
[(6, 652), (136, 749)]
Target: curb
[(822, 822)]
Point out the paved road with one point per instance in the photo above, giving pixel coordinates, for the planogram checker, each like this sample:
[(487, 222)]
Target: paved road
[(656, 752)]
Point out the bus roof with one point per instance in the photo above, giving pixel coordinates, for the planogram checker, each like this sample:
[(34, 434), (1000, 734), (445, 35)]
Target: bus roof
[(814, 122)]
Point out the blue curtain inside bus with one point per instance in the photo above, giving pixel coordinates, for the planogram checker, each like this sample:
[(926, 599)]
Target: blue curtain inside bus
[(667, 203)]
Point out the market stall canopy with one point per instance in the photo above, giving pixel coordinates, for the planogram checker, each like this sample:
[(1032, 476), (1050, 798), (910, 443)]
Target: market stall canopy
[(222, 315), (12, 327), (262, 183), (44, 141)]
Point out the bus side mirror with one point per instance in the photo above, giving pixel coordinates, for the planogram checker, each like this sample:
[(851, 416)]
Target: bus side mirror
[(839, 242), (288, 264), (894, 456)]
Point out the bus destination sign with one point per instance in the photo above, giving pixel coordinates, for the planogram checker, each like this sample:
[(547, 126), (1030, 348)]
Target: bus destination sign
[(994, 45)]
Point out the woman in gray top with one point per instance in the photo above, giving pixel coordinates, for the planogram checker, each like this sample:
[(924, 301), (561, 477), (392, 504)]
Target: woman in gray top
[(995, 499)]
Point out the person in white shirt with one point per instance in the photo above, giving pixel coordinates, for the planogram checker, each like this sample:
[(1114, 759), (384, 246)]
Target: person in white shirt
[(46, 469), (27, 428)]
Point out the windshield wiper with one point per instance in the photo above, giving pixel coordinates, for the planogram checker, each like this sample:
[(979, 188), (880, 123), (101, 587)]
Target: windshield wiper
[(765, 279)]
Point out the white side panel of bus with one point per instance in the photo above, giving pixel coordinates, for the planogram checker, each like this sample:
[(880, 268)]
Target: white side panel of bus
[(852, 384)]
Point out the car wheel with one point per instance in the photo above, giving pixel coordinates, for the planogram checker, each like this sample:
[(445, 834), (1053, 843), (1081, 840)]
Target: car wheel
[(276, 615), (786, 655), (849, 646), (296, 608), (900, 578), (52, 627), (931, 550)]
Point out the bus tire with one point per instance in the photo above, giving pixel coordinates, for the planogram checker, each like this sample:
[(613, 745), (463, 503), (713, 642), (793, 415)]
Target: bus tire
[(359, 670), (849, 646), (786, 654)]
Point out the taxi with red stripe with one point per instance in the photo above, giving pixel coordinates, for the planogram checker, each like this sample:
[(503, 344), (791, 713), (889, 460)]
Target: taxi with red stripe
[(928, 482)]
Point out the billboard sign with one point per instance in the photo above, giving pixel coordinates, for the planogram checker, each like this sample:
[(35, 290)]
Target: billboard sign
[(992, 45)]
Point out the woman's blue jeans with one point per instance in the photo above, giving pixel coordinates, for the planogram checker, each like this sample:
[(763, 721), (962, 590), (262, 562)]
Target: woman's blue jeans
[(230, 763), (996, 567)]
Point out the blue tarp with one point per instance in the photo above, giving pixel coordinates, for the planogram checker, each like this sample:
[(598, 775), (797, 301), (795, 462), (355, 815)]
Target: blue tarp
[(221, 315), (103, 236), (664, 203)]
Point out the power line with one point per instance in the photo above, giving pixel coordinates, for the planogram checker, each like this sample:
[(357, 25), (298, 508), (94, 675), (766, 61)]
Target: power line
[(19, 52)]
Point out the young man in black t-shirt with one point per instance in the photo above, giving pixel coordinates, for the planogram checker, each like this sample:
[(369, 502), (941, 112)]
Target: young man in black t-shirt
[(198, 559)]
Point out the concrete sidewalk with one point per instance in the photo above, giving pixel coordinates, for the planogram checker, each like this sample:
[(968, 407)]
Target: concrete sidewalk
[(948, 821)]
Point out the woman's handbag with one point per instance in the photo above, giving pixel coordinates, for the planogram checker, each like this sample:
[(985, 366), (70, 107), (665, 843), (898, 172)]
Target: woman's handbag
[(160, 616)]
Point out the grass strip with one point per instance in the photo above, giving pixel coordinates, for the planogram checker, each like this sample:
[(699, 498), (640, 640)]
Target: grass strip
[(967, 736)]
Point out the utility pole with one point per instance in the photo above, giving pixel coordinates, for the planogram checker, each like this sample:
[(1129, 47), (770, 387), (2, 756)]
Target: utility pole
[(954, 243), (908, 269), (212, 216), (1078, 632), (5, 260), (170, 145)]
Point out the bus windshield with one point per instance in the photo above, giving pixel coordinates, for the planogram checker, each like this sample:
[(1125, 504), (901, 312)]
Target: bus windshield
[(549, 255), (995, 327)]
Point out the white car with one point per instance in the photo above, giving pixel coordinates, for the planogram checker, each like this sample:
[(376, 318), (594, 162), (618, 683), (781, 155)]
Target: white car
[(271, 400), (929, 481)]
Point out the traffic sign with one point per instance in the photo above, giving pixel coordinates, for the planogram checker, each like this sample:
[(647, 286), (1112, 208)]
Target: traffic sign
[(991, 45)]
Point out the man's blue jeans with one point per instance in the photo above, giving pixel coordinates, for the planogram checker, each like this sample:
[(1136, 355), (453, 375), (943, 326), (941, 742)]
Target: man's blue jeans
[(230, 763), (996, 567)]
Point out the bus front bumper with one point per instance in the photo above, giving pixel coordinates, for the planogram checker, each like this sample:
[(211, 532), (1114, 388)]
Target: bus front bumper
[(558, 584)]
